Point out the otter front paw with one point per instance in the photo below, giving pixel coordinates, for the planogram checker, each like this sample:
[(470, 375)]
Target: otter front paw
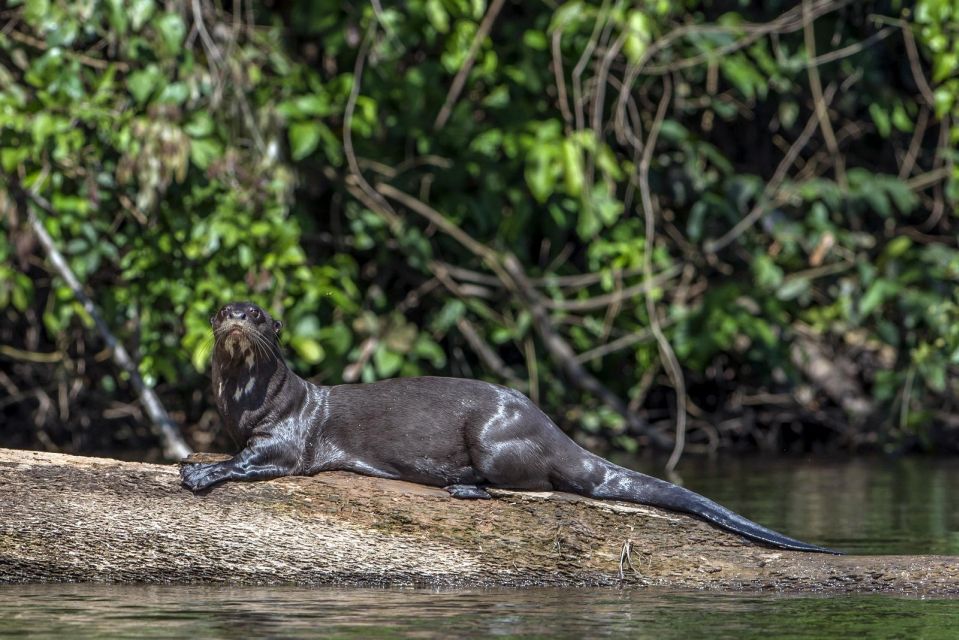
[(197, 476)]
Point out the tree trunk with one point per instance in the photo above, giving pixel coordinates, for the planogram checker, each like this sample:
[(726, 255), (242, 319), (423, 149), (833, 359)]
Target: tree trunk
[(67, 518)]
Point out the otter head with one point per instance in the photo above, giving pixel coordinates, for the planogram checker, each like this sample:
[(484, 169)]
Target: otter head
[(244, 333)]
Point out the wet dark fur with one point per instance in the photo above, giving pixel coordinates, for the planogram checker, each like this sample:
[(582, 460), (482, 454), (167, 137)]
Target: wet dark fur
[(448, 432)]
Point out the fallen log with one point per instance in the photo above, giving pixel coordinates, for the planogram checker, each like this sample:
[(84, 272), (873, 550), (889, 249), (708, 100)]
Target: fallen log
[(68, 518)]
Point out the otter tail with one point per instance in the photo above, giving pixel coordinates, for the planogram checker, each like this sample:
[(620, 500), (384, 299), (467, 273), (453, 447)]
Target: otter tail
[(611, 482)]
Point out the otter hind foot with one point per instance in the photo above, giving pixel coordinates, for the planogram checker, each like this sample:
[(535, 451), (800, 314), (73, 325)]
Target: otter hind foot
[(468, 492)]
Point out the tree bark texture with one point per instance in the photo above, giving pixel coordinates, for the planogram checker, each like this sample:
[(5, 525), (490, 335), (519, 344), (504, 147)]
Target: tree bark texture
[(68, 518)]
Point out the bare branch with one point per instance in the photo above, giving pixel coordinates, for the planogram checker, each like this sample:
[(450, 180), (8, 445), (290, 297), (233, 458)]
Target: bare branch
[(174, 446), (712, 246), (464, 70), (822, 109), (670, 362), (915, 65), (381, 205), (563, 355), (514, 279)]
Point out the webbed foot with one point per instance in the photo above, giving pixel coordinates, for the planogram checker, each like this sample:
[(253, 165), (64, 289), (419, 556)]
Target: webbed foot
[(468, 492), (197, 476)]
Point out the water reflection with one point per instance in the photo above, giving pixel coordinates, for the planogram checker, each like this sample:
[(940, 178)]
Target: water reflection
[(88, 611)]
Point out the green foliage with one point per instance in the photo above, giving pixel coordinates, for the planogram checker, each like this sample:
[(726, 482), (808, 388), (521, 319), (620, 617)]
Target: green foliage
[(195, 164)]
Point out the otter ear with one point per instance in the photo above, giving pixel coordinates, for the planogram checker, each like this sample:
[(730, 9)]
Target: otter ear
[(276, 326), (212, 319)]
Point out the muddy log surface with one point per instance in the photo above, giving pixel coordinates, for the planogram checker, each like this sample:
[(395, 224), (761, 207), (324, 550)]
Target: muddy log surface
[(68, 518)]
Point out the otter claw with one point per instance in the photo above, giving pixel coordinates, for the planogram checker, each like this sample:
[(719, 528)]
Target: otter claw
[(195, 476)]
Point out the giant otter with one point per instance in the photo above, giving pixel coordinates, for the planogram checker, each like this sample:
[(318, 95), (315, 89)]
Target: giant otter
[(459, 434)]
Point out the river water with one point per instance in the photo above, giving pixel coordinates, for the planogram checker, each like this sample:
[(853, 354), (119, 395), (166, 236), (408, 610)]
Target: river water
[(863, 506)]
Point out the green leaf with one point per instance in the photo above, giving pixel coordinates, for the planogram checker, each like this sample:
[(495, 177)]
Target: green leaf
[(428, 349), (638, 36), (35, 11), (793, 288), (436, 14), (945, 65), (768, 275), (902, 196), (898, 246), (788, 112), (573, 168), (304, 137), (201, 356), (588, 224), (172, 31), (387, 362), (307, 348), (338, 337), (174, 93), (205, 151), (451, 312), (943, 99), (901, 119), (672, 131), (608, 208), (142, 83), (880, 290), (881, 118), (535, 40), (139, 12), (200, 126), (743, 75)]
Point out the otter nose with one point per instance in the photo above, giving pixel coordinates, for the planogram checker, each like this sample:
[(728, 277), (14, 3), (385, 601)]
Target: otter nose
[(238, 314)]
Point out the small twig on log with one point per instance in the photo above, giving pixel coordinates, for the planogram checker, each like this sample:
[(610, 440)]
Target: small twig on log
[(457, 86), (174, 446)]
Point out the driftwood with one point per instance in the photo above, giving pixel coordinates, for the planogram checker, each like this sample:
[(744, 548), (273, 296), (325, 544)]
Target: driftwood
[(66, 518)]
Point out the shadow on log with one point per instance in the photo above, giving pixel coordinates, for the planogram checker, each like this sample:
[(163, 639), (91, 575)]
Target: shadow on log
[(67, 518)]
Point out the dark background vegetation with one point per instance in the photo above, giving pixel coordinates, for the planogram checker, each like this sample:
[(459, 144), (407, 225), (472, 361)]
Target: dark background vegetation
[(735, 217)]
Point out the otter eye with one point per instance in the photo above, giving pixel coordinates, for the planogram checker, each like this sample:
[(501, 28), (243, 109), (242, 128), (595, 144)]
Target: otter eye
[(254, 313)]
